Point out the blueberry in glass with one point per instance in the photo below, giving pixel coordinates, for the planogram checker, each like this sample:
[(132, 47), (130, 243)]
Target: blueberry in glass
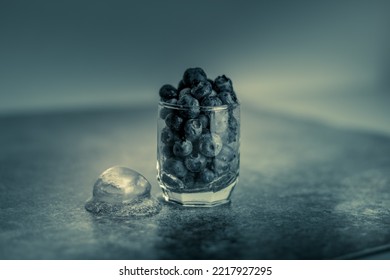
[(210, 144), (211, 101), (167, 136), (202, 90), (193, 129), (227, 98), (195, 162), (205, 122), (189, 105), (220, 166), (174, 121), (175, 167), (182, 148), (206, 176), (166, 111), (198, 140)]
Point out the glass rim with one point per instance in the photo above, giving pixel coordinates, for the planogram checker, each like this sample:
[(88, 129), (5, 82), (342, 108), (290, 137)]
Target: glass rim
[(208, 108)]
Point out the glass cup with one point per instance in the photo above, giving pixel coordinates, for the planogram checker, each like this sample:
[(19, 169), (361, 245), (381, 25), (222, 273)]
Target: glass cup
[(198, 153)]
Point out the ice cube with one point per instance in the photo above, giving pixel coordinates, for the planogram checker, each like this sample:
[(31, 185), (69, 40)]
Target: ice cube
[(122, 192)]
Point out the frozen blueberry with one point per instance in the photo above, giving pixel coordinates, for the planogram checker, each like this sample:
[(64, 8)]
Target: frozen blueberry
[(206, 176), (195, 162), (190, 106), (228, 98), (227, 154), (201, 90), (167, 151), (182, 148), (181, 85), (233, 124), (205, 122), (184, 92), (175, 167), (233, 129), (167, 136), (193, 129), (189, 180), (167, 92), (192, 76), (174, 121), (220, 166), (232, 136), (223, 83), (164, 112), (210, 144), (211, 101)]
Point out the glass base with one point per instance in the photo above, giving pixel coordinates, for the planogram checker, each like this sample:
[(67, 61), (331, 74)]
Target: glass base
[(199, 199)]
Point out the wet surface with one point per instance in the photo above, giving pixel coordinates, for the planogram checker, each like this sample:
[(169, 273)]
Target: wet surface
[(306, 191), (123, 193)]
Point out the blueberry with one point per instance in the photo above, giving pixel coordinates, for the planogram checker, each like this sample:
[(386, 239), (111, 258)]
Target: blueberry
[(167, 136), (190, 106), (167, 92), (210, 144), (209, 162), (235, 164), (167, 151), (206, 176), (211, 101), (228, 98), (193, 129), (227, 154), (175, 167), (233, 123), (184, 92), (233, 129), (164, 112), (174, 121), (232, 136), (181, 85), (189, 180), (205, 122), (182, 148), (195, 162), (201, 90), (220, 166), (192, 76), (223, 83), (195, 146)]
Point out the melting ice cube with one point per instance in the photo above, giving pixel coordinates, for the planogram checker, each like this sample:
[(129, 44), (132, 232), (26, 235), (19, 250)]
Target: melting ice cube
[(122, 192)]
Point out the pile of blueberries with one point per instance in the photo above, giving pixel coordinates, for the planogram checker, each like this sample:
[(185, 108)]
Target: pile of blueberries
[(199, 138)]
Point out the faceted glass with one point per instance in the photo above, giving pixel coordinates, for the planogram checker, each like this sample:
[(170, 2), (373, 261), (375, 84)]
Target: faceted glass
[(198, 153)]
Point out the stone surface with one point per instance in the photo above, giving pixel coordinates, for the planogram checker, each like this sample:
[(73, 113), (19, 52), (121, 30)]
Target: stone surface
[(306, 191)]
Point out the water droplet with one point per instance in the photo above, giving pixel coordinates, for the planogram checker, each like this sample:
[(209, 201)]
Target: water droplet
[(122, 192)]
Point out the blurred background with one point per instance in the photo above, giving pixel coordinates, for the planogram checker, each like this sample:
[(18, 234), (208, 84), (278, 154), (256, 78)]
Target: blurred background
[(323, 60)]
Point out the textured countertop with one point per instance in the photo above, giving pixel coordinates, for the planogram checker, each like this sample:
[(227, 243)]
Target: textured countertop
[(306, 191)]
